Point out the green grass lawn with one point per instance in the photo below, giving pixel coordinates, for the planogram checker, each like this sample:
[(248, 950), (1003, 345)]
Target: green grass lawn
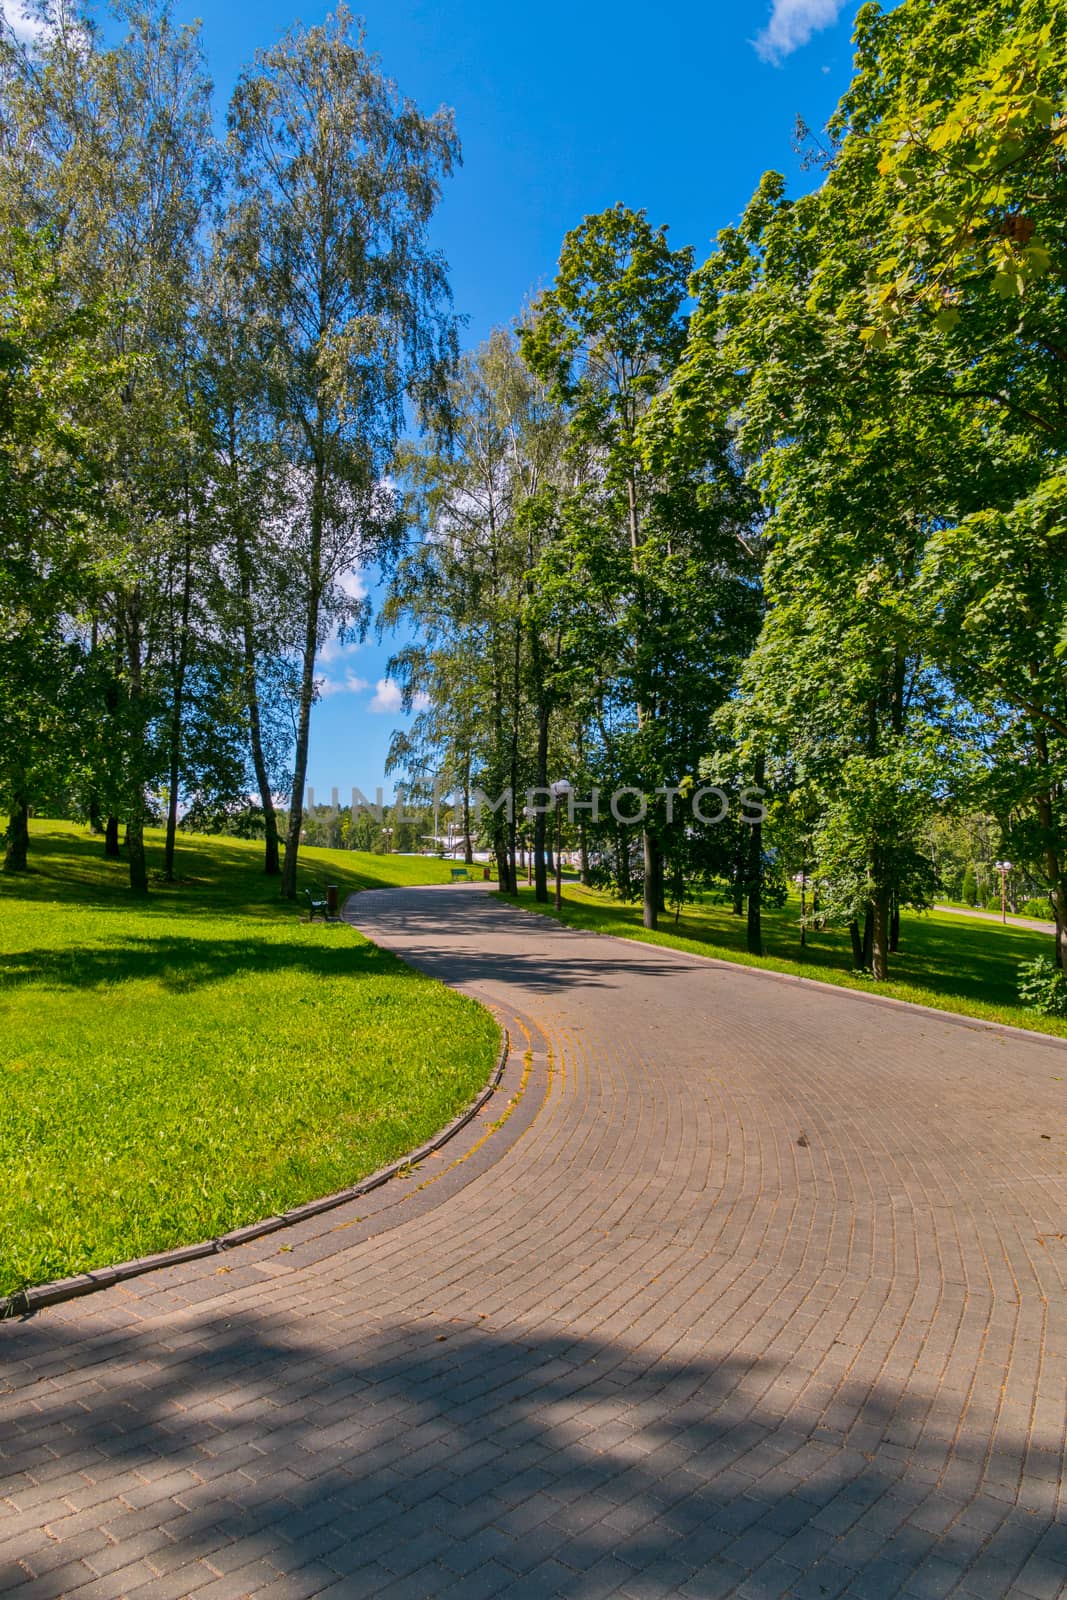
[(949, 962), (174, 1068)]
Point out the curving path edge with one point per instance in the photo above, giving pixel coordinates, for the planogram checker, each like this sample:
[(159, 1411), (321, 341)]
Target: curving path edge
[(759, 1291)]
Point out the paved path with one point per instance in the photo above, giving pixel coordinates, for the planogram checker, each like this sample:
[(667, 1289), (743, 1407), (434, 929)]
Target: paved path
[(758, 1290), (995, 916)]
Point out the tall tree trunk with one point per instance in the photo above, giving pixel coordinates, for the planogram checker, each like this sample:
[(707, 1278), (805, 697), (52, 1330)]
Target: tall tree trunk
[(622, 858), (754, 928), (307, 688), (880, 934), (180, 667), (95, 825), (135, 846), (754, 924), (1054, 873), (540, 818), (650, 895), (272, 854), (272, 864), (137, 742), (740, 866), (468, 845), (111, 838), (868, 938), (1058, 896), (513, 763), (583, 836), (857, 944), (300, 762), (16, 853)]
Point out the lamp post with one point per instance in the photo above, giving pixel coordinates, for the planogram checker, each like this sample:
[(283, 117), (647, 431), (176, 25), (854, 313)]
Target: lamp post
[(560, 790), (1003, 867)]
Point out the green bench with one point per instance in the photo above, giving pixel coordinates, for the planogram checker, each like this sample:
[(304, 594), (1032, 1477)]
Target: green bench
[(460, 875), (319, 908)]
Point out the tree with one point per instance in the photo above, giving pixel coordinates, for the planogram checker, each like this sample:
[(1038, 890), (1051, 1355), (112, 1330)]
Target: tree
[(607, 336), (952, 160), (247, 514), (53, 383), (111, 149), (337, 179), (490, 452)]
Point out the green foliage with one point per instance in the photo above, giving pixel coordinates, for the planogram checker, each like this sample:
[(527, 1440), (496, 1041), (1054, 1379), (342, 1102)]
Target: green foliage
[(1043, 987), (901, 422), (477, 487), (53, 382), (970, 145), (969, 893), (331, 166), (649, 585)]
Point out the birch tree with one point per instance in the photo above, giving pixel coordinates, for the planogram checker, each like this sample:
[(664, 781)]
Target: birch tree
[(337, 179)]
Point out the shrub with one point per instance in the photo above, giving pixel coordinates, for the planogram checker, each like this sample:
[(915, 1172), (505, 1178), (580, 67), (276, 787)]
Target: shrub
[(969, 892), (1037, 908), (1043, 987)]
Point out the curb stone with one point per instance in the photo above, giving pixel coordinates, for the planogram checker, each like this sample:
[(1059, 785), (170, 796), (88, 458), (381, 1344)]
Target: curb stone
[(37, 1298)]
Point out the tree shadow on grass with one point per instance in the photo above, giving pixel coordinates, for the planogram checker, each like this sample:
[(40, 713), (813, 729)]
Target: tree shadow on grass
[(977, 963), (181, 962), (970, 962), (438, 1456), (215, 877)]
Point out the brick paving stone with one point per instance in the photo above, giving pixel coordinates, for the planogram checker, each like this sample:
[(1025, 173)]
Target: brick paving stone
[(630, 1338)]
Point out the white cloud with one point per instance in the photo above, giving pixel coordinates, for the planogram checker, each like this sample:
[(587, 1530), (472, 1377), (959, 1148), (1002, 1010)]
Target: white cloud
[(388, 697), (24, 27), (349, 684), (792, 24), (354, 584), (333, 651)]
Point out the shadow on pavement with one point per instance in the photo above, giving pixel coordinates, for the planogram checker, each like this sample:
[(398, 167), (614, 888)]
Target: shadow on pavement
[(464, 936), (471, 1462)]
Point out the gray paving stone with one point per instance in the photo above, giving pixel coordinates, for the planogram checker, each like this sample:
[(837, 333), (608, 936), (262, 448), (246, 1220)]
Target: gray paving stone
[(629, 1339)]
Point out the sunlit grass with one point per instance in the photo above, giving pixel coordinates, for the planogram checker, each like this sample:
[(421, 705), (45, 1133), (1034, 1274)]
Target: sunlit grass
[(174, 1068)]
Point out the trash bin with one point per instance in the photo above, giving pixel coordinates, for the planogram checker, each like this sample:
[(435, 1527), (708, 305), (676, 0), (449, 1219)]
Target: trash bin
[(486, 874), (332, 904)]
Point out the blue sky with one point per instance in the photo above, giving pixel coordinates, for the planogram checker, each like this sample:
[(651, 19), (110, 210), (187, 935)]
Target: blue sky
[(563, 108)]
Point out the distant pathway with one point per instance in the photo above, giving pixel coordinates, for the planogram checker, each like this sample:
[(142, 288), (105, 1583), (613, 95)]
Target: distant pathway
[(758, 1291), (995, 916)]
